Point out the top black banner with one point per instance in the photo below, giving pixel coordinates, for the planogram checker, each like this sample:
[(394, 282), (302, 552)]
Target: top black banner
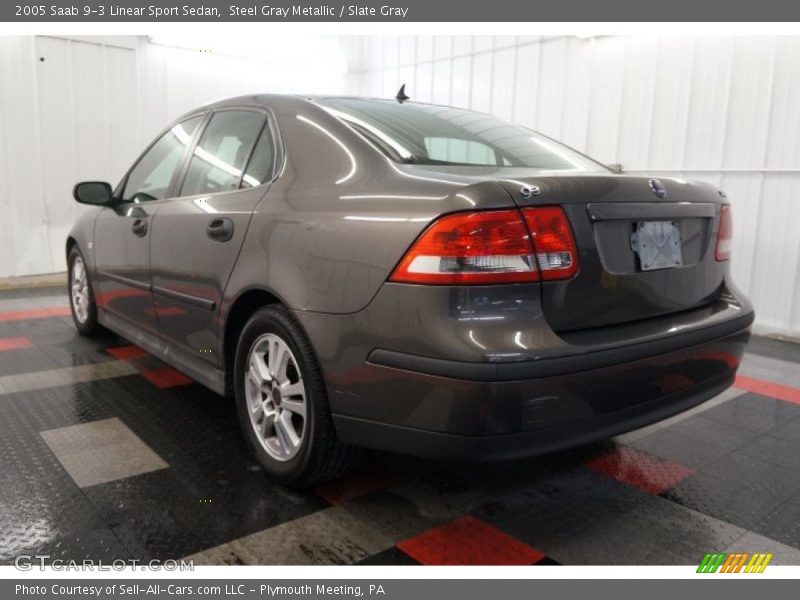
[(398, 11)]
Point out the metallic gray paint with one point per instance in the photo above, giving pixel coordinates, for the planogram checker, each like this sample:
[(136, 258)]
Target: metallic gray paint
[(324, 236)]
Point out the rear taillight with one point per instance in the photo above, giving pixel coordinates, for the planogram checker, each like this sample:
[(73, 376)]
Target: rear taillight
[(500, 246), (552, 238), (724, 233)]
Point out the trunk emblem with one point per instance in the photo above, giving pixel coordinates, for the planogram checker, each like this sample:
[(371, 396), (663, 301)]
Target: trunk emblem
[(529, 191), (658, 188)]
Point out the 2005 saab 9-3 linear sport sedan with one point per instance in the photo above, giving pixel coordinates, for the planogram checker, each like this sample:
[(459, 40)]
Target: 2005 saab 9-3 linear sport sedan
[(409, 277)]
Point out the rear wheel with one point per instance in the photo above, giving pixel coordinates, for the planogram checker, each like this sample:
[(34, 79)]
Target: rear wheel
[(282, 403), (81, 295)]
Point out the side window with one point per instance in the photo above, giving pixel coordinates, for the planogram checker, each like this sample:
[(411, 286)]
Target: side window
[(220, 155), (150, 178), (262, 162)]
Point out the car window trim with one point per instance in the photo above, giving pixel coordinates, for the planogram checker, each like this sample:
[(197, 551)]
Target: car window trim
[(177, 180), (267, 129), (184, 170)]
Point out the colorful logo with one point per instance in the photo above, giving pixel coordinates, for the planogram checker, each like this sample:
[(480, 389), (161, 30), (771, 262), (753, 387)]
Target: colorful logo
[(744, 562)]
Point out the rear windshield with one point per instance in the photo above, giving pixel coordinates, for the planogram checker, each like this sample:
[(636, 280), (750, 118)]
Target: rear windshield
[(439, 135)]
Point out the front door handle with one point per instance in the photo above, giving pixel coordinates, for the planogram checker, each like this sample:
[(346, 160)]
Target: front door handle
[(220, 230), (139, 227)]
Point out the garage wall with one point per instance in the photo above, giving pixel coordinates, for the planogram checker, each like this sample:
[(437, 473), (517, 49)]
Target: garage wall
[(720, 109), (84, 108)]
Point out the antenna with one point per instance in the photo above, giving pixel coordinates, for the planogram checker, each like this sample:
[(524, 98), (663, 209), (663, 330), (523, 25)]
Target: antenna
[(401, 95)]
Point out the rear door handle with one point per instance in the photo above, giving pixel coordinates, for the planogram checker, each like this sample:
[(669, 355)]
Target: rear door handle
[(220, 230), (139, 227)]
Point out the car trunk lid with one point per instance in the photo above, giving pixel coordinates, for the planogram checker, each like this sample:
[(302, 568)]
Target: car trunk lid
[(640, 255)]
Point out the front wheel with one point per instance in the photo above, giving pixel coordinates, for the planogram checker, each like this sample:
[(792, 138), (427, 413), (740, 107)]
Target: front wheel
[(282, 403), (81, 295)]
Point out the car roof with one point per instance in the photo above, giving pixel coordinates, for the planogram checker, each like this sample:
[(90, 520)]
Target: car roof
[(287, 99)]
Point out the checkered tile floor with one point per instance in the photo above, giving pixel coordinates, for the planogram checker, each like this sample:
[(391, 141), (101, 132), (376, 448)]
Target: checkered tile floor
[(106, 453)]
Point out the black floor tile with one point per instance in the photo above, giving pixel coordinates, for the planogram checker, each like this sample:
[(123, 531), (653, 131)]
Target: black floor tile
[(95, 545), (561, 508), (783, 524), (392, 556), (725, 435), (682, 449), (26, 360), (787, 430), (754, 473), (773, 348), (747, 415), (733, 503), (774, 450)]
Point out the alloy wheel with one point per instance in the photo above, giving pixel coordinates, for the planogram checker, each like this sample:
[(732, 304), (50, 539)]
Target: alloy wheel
[(276, 397), (80, 290)]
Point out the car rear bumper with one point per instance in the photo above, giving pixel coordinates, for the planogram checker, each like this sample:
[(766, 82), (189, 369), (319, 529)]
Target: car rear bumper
[(477, 372), (525, 410)]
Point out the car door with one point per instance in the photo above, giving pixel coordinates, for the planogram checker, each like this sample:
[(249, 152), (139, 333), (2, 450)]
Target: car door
[(122, 233), (197, 235)]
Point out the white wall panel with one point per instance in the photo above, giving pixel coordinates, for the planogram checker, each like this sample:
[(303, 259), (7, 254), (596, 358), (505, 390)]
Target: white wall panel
[(783, 149), (552, 84), (481, 82), (89, 108), (25, 240), (442, 75), (749, 102), (502, 83), (670, 117), (719, 109), (638, 98), (577, 91)]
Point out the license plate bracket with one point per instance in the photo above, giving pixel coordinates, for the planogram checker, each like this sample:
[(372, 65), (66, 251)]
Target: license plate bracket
[(658, 244)]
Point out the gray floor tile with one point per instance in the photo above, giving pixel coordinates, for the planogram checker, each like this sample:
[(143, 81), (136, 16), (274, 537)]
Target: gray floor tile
[(101, 451), (753, 542)]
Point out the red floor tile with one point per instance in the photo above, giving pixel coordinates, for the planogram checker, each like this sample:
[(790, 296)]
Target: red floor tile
[(126, 352), (166, 377), (639, 469), (469, 541), (14, 343), (354, 485), (767, 388), (37, 313)]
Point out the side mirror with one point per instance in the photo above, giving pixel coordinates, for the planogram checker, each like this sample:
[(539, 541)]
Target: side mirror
[(615, 167), (96, 193)]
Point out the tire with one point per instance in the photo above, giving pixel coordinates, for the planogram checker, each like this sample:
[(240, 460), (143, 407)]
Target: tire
[(300, 448), (83, 315)]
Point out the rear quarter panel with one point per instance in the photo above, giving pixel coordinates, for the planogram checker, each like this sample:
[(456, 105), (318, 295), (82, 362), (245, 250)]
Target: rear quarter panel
[(340, 215)]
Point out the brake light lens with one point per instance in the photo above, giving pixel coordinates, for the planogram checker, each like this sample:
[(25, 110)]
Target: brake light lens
[(470, 248), (724, 233), (556, 253), (484, 248)]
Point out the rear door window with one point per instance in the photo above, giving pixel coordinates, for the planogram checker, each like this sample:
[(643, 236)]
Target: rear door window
[(220, 156)]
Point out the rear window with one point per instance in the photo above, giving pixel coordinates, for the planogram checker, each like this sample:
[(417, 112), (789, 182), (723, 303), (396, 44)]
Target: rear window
[(440, 135)]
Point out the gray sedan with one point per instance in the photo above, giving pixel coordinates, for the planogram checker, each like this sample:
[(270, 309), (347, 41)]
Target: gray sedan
[(408, 277)]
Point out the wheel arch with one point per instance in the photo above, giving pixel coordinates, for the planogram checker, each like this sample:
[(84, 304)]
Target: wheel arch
[(242, 308)]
